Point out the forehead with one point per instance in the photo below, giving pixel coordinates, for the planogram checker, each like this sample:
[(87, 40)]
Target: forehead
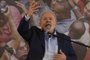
[(48, 14)]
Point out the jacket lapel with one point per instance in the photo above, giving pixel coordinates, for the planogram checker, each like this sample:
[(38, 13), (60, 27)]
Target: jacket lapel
[(60, 41), (42, 40)]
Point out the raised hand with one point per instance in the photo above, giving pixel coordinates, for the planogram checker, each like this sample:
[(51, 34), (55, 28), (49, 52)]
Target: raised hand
[(33, 7), (60, 56)]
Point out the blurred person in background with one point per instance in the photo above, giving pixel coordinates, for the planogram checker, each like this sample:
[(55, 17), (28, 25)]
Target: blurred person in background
[(5, 28)]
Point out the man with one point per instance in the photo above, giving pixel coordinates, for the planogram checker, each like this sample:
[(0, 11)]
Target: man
[(45, 42), (79, 32)]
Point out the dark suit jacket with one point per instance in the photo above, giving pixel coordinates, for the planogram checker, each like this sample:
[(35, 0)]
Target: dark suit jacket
[(35, 38)]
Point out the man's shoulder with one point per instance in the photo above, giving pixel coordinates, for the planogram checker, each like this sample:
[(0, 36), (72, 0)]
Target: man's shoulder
[(35, 29), (63, 36)]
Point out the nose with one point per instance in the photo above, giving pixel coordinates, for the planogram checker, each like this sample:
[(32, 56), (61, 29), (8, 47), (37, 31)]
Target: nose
[(48, 20)]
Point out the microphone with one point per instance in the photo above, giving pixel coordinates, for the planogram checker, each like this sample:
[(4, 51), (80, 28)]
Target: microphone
[(80, 44), (52, 34)]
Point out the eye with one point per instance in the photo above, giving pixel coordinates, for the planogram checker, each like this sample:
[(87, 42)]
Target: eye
[(44, 18), (50, 18)]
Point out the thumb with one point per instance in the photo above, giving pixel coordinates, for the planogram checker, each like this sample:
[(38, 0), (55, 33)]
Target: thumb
[(60, 51), (62, 54)]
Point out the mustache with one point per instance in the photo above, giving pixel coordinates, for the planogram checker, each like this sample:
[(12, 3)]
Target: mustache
[(47, 25)]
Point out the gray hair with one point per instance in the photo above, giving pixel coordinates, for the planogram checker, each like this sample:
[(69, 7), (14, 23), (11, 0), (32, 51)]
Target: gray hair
[(45, 12)]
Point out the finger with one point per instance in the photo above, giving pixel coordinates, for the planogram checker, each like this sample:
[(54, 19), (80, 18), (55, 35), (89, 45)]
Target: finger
[(62, 54), (19, 4), (35, 9), (34, 5), (60, 51), (54, 58), (57, 56)]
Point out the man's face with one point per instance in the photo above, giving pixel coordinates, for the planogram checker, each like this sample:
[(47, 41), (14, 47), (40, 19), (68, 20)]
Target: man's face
[(58, 5), (48, 21)]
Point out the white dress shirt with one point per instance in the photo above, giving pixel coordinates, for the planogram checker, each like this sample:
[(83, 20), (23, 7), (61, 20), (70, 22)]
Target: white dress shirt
[(51, 47)]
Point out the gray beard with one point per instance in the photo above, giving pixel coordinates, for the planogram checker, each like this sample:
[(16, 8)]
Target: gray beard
[(47, 28)]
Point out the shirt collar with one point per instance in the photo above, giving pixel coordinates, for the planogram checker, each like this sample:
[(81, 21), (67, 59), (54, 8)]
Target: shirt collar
[(47, 35)]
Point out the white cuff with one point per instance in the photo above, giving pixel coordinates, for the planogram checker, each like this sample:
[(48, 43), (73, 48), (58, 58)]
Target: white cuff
[(27, 17)]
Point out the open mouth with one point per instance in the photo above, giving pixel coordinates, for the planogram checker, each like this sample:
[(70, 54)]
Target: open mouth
[(47, 27)]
